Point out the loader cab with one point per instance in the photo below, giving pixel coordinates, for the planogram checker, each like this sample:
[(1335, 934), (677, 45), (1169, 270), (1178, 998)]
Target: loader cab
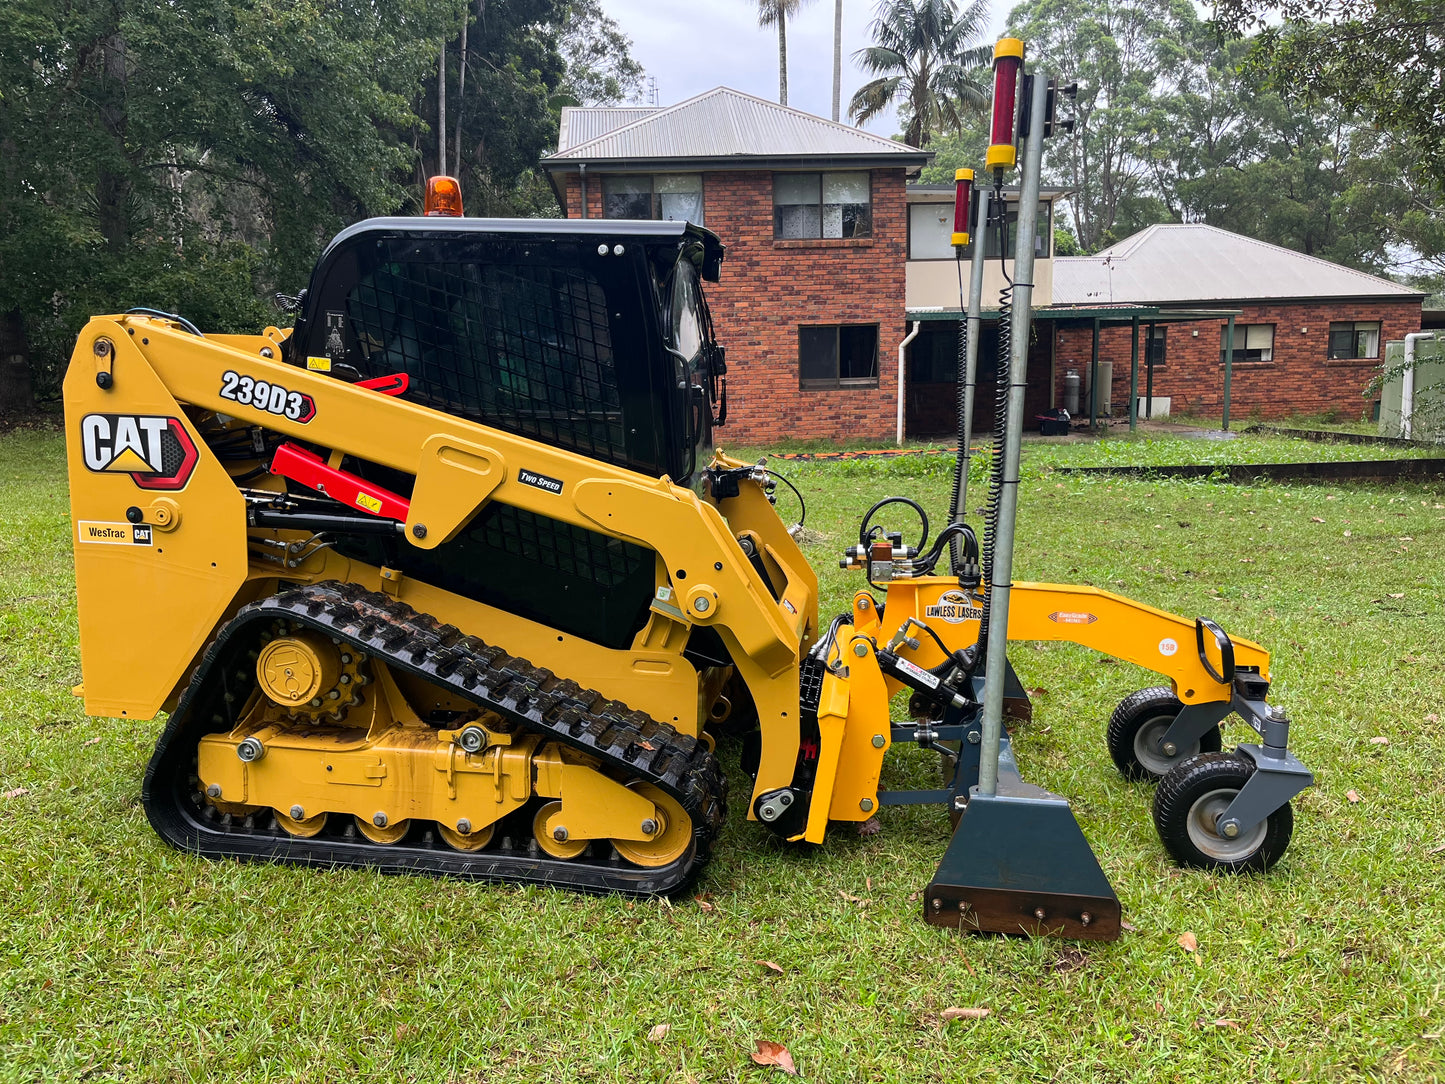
[(591, 336)]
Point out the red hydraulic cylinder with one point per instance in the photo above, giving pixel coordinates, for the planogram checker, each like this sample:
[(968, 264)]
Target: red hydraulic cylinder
[(294, 462)]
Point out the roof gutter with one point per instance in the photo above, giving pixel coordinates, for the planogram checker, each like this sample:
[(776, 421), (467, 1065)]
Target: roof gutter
[(582, 175)]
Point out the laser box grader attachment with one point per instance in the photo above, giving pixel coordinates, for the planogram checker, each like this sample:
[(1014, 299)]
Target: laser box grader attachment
[(447, 579)]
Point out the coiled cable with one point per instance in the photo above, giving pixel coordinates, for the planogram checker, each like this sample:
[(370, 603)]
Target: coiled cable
[(960, 465), (1003, 378)]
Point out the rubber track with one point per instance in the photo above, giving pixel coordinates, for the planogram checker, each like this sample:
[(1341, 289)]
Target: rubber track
[(636, 745)]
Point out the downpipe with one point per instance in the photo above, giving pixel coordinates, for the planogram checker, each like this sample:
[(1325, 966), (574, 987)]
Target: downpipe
[(902, 370)]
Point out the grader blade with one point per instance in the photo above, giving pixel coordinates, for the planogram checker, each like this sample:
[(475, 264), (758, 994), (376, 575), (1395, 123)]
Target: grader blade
[(1018, 863)]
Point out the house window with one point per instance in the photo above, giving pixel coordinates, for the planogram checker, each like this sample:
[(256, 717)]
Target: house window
[(1252, 342), (838, 356), (668, 196), (1043, 232), (815, 205), (1158, 341), (1354, 339), (930, 232)]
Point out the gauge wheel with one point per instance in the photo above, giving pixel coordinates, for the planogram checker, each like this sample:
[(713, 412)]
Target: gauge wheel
[(1136, 727), (1188, 804)]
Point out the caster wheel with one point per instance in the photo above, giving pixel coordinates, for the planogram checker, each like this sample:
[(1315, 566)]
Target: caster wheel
[(1135, 728), (1188, 804)]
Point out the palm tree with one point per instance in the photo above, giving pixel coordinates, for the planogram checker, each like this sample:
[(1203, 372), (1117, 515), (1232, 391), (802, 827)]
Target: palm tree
[(776, 13), (927, 59)]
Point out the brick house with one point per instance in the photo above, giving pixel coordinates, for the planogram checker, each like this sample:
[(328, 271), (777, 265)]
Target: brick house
[(835, 261), (812, 298), (1308, 334)]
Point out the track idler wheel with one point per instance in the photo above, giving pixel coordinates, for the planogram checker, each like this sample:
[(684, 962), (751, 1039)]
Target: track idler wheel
[(387, 832), (552, 835), (670, 836), (467, 841), (302, 827)]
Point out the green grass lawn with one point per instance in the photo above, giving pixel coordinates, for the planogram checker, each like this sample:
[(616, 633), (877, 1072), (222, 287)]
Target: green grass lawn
[(126, 960)]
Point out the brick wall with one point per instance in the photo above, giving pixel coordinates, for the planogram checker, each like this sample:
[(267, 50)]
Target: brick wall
[(770, 287), (1300, 379)]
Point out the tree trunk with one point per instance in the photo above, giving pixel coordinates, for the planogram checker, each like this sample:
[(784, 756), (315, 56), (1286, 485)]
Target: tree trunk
[(17, 390), (461, 90), (112, 185), (442, 110), (782, 58), (837, 56)]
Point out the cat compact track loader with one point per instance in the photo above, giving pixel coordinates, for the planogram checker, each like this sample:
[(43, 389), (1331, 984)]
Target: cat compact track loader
[(447, 579)]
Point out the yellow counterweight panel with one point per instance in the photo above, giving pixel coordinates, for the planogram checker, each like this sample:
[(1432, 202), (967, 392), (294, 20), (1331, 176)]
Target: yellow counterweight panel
[(150, 592), (1129, 630)]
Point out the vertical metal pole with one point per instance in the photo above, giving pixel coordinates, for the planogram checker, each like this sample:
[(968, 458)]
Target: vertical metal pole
[(1149, 376), (1134, 378), (1003, 555), (1228, 367), (1094, 380), (975, 321)]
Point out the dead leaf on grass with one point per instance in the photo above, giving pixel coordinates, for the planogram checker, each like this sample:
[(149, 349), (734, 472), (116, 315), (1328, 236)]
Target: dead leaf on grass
[(955, 1013), (1353, 796), (1129, 926), (1379, 739), (1188, 942), (16, 793), (1432, 718), (775, 1054), (703, 905), (1226, 1022), (1317, 519), (93, 741), (871, 827), (1437, 850), (1400, 595), (658, 1033), (868, 883), (769, 965)]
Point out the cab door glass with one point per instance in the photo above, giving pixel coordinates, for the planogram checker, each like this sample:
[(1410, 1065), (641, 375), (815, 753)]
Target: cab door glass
[(685, 329)]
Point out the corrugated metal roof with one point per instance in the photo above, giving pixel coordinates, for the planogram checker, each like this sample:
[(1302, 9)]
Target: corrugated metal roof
[(726, 123), (581, 124), (1193, 263)]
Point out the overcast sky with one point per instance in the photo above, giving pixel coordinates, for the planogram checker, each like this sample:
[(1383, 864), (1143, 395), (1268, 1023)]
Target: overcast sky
[(694, 45)]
